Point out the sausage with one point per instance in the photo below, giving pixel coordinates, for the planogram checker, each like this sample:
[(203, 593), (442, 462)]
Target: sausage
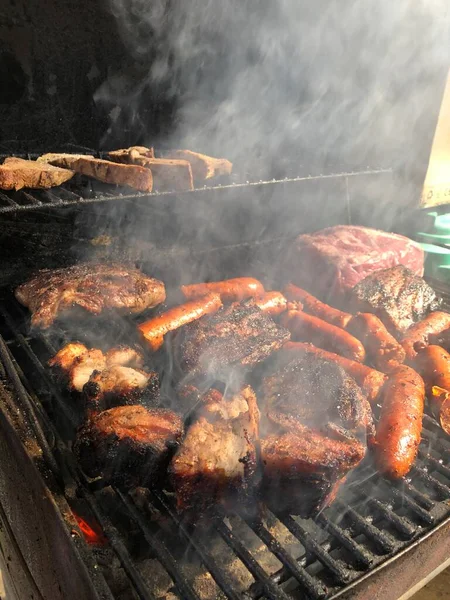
[(441, 339), (400, 424), (440, 405), (369, 380), (307, 328), (382, 348), (433, 364), (433, 324), (229, 290), (155, 329), (272, 303), (313, 306)]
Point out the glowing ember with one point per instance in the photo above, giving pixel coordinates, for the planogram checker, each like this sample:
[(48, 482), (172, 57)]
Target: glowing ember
[(92, 533)]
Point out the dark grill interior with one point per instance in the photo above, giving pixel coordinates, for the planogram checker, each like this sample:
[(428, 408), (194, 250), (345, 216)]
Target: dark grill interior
[(233, 557)]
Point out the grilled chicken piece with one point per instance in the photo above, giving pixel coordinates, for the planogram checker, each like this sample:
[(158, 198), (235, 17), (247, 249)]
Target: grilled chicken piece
[(303, 469), (238, 336), (203, 167), (217, 461), (17, 173), (83, 367), (125, 356), (118, 385), (95, 287), (66, 357), (129, 445), (318, 392), (133, 176), (396, 295)]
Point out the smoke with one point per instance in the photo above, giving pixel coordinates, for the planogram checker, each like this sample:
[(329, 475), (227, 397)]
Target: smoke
[(330, 84)]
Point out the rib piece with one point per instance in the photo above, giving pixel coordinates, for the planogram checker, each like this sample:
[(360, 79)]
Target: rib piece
[(235, 337), (131, 155), (396, 295), (129, 445), (104, 170), (217, 461), (317, 392), (168, 175), (303, 469), (203, 167), (118, 385), (17, 173), (95, 287)]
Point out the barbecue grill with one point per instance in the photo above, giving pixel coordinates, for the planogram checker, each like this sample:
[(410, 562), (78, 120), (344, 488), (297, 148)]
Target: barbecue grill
[(64, 536)]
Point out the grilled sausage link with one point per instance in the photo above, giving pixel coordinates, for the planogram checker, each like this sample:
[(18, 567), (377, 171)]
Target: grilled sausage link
[(400, 424), (382, 348), (433, 364), (439, 399), (433, 324), (229, 290), (155, 329), (307, 328), (369, 380), (272, 303), (313, 306)]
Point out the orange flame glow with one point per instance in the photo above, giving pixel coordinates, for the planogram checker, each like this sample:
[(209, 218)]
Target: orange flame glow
[(92, 533)]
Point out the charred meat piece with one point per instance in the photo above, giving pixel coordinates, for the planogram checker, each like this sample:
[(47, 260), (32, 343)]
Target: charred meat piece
[(118, 385), (66, 357), (17, 173), (303, 469), (95, 287), (396, 295), (129, 445), (125, 356), (239, 336), (317, 392), (217, 461)]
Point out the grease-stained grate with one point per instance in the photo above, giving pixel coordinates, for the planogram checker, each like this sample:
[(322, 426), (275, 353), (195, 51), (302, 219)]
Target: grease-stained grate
[(278, 556)]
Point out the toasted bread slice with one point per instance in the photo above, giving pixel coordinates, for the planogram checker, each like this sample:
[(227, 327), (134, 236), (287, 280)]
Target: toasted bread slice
[(203, 167), (17, 173), (109, 172)]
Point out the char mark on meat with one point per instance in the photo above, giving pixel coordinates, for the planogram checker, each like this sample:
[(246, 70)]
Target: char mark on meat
[(396, 295), (129, 445), (93, 287), (236, 337), (318, 393), (217, 461)]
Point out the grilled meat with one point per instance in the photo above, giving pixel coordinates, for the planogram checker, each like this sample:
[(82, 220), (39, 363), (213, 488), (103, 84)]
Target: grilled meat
[(317, 392), (118, 385), (133, 176), (95, 287), (238, 336), (129, 445), (17, 173), (217, 461), (396, 295), (74, 364), (132, 154), (125, 356), (203, 167), (303, 468)]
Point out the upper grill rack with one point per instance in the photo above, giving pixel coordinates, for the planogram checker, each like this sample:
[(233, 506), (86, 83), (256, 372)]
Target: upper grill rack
[(81, 190), (280, 558)]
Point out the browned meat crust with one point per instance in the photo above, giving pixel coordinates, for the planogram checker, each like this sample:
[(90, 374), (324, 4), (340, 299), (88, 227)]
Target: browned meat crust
[(217, 461), (133, 176), (203, 167), (237, 337), (94, 287), (131, 155), (129, 445), (396, 295), (16, 173)]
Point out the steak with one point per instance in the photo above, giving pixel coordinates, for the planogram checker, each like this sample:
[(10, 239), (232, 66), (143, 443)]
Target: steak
[(332, 261), (94, 287), (319, 393), (129, 445), (234, 338), (396, 295), (17, 173), (217, 461), (133, 176)]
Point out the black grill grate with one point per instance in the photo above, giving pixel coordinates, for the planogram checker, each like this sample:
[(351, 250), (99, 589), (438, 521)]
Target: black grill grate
[(280, 557)]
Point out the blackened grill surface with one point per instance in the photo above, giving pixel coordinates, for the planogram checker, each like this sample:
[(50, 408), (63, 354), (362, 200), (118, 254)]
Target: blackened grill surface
[(281, 557)]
